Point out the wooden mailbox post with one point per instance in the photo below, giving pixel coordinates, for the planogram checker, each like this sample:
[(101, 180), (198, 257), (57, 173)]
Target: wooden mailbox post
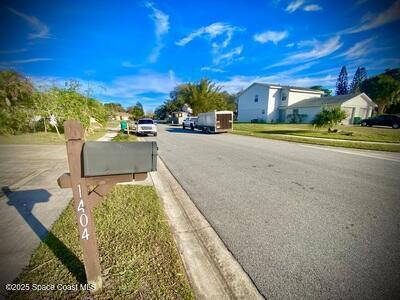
[(92, 176)]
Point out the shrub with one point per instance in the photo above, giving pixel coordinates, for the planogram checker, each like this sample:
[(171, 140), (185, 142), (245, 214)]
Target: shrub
[(329, 117)]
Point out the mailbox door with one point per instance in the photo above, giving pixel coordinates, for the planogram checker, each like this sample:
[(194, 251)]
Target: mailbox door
[(113, 158)]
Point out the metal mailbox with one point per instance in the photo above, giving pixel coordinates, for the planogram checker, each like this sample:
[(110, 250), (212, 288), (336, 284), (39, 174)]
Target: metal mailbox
[(105, 158), (95, 167)]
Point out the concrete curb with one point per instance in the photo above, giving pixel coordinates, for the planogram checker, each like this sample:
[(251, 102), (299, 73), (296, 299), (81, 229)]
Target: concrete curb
[(212, 270)]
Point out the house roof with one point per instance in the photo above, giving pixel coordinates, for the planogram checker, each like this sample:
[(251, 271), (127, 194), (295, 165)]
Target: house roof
[(330, 100), (290, 87)]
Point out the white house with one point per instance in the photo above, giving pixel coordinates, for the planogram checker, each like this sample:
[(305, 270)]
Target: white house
[(284, 104)]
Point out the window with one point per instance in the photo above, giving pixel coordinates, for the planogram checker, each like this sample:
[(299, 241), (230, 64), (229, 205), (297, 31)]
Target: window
[(295, 111), (284, 97), (263, 111), (256, 98)]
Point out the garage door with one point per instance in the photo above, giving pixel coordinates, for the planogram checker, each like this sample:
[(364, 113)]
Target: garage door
[(363, 113), (349, 112)]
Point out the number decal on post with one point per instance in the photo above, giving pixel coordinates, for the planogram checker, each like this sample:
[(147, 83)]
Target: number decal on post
[(83, 218)]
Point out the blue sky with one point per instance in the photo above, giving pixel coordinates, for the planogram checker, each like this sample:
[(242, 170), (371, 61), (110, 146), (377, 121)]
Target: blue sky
[(130, 51)]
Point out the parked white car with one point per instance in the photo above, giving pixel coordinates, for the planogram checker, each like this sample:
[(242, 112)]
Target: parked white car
[(146, 126), (190, 122)]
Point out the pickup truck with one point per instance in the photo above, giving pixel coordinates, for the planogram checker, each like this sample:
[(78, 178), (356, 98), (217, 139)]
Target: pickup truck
[(190, 122), (146, 126)]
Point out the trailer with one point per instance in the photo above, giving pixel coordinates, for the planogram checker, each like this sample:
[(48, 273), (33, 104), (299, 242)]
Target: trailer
[(215, 121)]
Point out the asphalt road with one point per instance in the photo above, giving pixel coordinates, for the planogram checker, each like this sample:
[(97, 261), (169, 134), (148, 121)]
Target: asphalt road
[(303, 221)]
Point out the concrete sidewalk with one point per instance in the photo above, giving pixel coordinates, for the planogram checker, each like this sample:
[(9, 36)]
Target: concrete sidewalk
[(30, 201)]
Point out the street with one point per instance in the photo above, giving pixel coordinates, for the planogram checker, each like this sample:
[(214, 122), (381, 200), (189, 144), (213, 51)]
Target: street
[(303, 221)]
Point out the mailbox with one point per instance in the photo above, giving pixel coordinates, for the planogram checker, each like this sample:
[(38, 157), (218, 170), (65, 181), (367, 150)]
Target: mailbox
[(105, 158), (95, 167)]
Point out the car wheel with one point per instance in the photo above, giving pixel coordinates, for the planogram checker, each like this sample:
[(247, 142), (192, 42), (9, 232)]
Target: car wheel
[(155, 134), (191, 127), (183, 126), (395, 126), (364, 124)]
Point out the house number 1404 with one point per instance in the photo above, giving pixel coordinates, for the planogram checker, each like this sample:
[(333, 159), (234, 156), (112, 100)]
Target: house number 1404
[(83, 218)]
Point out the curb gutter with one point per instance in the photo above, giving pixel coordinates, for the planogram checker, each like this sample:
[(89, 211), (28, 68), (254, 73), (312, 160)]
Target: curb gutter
[(212, 270)]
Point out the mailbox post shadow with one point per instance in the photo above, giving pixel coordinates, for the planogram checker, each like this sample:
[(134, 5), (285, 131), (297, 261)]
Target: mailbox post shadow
[(24, 201)]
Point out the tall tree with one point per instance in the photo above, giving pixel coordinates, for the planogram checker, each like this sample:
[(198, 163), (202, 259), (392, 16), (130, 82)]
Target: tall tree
[(359, 76), (15, 89), (327, 92), (395, 73), (383, 89), (136, 111), (342, 82)]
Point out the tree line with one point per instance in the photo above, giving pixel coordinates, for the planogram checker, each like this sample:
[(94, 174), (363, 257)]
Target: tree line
[(26, 108), (202, 96), (383, 89)]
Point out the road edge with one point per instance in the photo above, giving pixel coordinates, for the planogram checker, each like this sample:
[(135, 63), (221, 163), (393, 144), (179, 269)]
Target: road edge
[(211, 268)]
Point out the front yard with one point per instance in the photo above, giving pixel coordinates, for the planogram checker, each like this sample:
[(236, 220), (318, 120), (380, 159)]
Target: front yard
[(139, 259), (386, 139)]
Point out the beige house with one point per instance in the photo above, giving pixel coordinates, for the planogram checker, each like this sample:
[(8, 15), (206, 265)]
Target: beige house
[(355, 105)]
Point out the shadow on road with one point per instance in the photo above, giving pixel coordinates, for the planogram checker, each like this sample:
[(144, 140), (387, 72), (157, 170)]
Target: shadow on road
[(24, 201), (181, 130)]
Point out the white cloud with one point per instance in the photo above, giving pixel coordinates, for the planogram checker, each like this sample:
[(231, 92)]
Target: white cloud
[(318, 50), (369, 22), (128, 64), (300, 4), (211, 31), (312, 7), (25, 61), (161, 22), (211, 69), (272, 36), (228, 57), (13, 51), (294, 5), (360, 49), (290, 45), (41, 29)]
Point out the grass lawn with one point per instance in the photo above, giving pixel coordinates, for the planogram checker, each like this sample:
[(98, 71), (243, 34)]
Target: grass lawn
[(296, 132), (50, 138), (123, 137), (139, 259)]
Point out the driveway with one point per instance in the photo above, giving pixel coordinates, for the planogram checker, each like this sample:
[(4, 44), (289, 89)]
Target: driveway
[(303, 221), (30, 201)]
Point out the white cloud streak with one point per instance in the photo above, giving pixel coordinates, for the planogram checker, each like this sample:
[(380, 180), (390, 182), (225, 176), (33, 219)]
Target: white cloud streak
[(360, 49), (300, 4), (211, 31), (211, 69), (318, 50), (161, 23), (228, 57), (294, 5), (312, 7), (13, 51), (25, 61), (370, 22), (41, 29), (270, 36)]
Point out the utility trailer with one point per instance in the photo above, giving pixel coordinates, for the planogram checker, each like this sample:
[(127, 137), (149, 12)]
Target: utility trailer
[(215, 121)]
